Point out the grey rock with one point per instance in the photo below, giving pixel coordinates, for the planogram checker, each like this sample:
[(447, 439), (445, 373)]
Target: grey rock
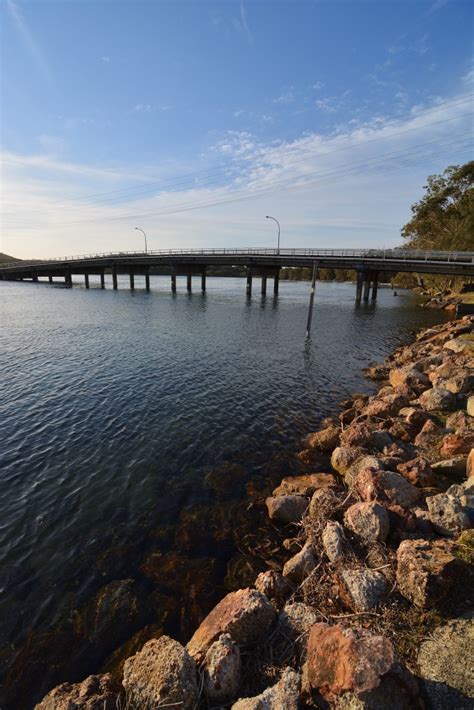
[(336, 546), (437, 399), (222, 668), (286, 509), (296, 620), (370, 521), (365, 588), (300, 565), (281, 696), (446, 663), (452, 511)]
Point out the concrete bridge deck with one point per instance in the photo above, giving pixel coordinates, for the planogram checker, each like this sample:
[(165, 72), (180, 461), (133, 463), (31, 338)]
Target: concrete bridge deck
[(368, 263)]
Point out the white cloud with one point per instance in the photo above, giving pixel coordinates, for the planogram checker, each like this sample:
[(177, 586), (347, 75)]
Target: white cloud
[(29, 40), (286, 98), (352, 188), (105, 59), (244, 23), (317, 86)]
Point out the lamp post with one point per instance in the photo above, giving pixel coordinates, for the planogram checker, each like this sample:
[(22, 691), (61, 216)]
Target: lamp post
[(141, 230), (278, 224)]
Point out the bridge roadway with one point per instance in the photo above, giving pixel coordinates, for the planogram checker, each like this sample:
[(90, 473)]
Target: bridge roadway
[(369, 264)]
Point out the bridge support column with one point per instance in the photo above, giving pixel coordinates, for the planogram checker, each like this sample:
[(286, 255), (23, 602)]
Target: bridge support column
[(311, 299), (360, 277), (173, 283), (189, 283), (34, 277), (147, 279), (86, 279), (276, 281), (132, 279), (366, 287), (249, 281), (264, 285), (68, 279), (102, 279), (50, 279), (114, 277), (203, 280), (375, 285)]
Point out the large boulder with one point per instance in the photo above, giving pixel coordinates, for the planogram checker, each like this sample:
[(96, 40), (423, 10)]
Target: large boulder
[(437, 399), (286, 509), (363, 589), (461, 344), (161, 674), (300, 565), (222, 668), (304, 485), (408, 375), (246, 615), (386, 486), (426, 571), (369, 521), (446, 663), (344, 457), (97, 692), (452, 511), (281, 696), (346, 660)]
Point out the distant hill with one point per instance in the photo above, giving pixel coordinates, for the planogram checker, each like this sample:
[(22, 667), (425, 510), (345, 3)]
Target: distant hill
[(5, 258)]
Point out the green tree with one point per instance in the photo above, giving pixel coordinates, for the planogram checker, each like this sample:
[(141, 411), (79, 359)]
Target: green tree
[(444, 218)]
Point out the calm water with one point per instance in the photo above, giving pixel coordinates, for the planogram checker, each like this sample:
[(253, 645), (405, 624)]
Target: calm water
[(118, 410)]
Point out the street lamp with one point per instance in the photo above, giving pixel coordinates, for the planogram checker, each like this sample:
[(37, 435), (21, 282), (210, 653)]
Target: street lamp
[(141, 230), (278, 223)]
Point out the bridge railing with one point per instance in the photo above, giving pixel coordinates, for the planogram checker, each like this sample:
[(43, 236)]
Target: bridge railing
[(383, 254)]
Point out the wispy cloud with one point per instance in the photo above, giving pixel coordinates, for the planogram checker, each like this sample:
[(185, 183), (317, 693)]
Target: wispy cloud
[(29, 41), (318, 85), (105, 59), (143, 108), (244, 23), (286, 98)]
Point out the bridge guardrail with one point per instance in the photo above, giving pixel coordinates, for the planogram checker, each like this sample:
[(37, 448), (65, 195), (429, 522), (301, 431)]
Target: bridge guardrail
[(384, 254)]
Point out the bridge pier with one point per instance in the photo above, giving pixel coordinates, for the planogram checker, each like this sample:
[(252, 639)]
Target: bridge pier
[(366, 287), (114, 277), (50, 279), (264, 285), (360, 277), (86, 279), (203, 280), (102, 279), (34, 277), (249, 281), (375, 285), (147, 279), (189, 282), (132, 279), (173, 283), (68, 279), (276, 281)]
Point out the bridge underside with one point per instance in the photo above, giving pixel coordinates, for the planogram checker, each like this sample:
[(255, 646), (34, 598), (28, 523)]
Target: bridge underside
[(370, 268)]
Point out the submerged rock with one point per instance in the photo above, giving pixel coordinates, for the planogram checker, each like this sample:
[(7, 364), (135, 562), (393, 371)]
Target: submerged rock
[(97, 692), (426, 571), (281, 696), (162, 673), (246, 615)]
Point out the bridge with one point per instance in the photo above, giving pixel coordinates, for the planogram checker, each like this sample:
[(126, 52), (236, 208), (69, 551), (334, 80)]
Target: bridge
[(369, 264)]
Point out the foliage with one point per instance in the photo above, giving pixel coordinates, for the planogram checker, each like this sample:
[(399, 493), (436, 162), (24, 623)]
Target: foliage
[(444, 218)]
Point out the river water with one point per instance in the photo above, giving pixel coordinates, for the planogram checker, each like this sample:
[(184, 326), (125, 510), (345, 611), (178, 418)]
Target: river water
[(139, 434)]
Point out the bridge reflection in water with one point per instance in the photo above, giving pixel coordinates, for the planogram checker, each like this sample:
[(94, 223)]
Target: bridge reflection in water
[(369, 264)]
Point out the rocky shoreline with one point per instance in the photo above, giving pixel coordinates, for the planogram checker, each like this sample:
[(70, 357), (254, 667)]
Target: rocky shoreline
[(372, 608)]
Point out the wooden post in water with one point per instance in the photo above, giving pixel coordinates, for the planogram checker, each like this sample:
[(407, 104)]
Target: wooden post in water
[(114, 276), (132, 278), (86, 279), (189, 283), (173, 283), (249, 281), (276, 281), (147, 279), (311, 299), (102, 279), (264, 285)]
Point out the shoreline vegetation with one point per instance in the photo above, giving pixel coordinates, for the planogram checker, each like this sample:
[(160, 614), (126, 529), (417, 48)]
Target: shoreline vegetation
[(372, 607)]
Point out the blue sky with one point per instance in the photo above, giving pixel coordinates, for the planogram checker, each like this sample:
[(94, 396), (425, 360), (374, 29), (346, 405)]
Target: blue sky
[(328, 114)]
